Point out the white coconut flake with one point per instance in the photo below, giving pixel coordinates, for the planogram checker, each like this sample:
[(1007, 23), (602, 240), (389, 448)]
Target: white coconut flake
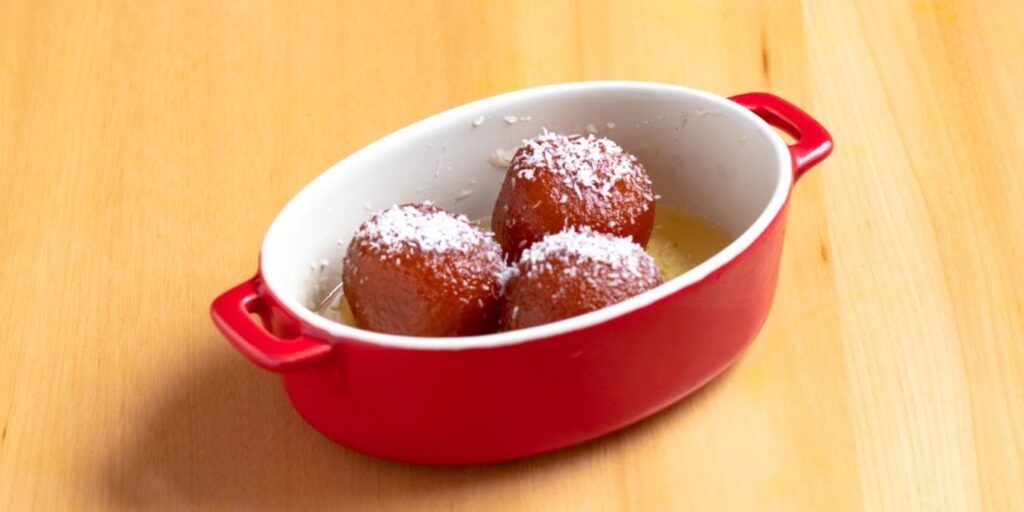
[(478, 121), (511, 119), (622, 259), (610, 125), (580, 162), (502, 157), (404, 226), (399, 229)]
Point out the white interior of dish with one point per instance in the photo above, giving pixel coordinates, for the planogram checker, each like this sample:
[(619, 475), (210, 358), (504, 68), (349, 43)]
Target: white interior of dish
[(704, 153)]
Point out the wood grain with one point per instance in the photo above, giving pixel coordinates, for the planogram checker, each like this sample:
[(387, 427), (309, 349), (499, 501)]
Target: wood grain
[(146, 146)]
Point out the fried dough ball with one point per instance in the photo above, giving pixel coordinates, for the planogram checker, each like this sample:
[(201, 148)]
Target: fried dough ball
[(419, 270), (571, 273), (557, 181)]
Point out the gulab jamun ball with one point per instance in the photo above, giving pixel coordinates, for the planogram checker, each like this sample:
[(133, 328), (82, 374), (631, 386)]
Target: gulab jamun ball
[(555, 181), (419, 270), (573, 272)]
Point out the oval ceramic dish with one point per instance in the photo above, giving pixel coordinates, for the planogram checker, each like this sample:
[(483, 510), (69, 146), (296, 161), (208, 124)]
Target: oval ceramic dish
[(501, 396)]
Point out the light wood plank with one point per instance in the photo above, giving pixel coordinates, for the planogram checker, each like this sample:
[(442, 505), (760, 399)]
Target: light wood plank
[(145, 147)]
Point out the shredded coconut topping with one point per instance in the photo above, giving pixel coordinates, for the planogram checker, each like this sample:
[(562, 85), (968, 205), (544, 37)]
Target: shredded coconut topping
[(581, 162), (405, 226), (427, 229), (623, 259)]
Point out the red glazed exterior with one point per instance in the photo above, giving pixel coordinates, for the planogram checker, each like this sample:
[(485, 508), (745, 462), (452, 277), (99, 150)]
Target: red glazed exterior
[(497, 403)]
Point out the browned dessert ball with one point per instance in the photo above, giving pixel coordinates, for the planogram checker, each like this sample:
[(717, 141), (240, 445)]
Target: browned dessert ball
[(574, 272), (555, 181), (419, 270)]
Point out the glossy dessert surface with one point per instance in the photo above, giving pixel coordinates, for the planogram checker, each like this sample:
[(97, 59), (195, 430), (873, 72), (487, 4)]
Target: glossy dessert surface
[(557, 181), (679, 241), (572, 272), (419, 270)]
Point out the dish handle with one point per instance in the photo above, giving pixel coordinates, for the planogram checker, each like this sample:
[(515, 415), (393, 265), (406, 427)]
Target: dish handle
[(813, 142), (232, 313)]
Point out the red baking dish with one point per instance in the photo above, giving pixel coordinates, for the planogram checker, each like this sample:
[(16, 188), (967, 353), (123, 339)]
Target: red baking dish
[(501, 396)]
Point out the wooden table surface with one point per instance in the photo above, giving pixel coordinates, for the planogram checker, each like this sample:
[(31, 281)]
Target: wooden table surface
[(145, 146)]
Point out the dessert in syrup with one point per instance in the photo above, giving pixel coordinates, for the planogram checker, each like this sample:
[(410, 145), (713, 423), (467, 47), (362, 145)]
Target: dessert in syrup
[(573, 272), (557, 181), (419, 270), (570, 225)]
